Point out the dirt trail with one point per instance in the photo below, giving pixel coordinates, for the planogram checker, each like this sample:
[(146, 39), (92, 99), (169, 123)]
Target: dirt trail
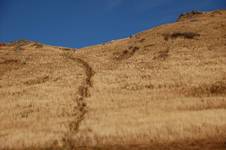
[(83, 92), (88, 69), (80, 109)]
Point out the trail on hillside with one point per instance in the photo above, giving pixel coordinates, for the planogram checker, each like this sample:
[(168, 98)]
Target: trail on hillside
[(83, 92), (80, 109)]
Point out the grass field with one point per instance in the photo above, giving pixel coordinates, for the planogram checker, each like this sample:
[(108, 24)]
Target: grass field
[(164, 88)]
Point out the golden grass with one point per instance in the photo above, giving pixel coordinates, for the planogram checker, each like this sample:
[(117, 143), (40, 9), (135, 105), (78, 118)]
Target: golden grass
[(143, 92)]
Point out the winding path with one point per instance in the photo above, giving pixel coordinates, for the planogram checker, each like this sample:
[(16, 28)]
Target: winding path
[(80, 109), (83, 92)]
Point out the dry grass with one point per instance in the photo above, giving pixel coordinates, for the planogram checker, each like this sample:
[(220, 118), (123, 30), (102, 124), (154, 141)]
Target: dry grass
[(138, 93), (37, 98)]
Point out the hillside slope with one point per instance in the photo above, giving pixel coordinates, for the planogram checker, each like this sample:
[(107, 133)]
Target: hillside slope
[(161, 88)]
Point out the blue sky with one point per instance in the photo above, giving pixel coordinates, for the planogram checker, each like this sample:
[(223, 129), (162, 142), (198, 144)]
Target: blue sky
[(79, 23)]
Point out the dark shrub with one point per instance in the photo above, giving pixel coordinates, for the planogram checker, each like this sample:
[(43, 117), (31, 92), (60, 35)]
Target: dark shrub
[(37, 45), (162, 55), (186, 35), (189, 15), (134, 49), (142, 40)]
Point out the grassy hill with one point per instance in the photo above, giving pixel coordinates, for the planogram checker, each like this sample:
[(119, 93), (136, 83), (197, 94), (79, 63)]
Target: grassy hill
[(164, 88)]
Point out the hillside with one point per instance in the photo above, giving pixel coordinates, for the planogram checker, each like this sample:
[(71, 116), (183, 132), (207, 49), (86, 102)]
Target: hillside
[(164, 88)]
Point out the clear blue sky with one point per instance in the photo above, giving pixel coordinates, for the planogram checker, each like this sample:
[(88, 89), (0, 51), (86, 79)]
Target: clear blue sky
[(79, 23)]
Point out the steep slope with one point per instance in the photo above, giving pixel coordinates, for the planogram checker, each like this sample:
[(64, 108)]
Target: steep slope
[(161, 88), (164, 85)]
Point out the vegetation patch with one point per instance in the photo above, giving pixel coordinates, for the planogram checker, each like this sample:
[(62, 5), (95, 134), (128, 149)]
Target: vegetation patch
[(65, 49), (189, 15), (162, 55), (18, 45), (2, 45), (204, 104), (10, 61), (136, 87), (142, 40), (125, 54), (37, 45), (20, 42), (215, 89), (150, 45), (186, 35), (39, 80)]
